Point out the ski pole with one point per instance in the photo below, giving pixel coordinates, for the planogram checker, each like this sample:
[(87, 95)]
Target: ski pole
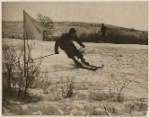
[(41, 57)]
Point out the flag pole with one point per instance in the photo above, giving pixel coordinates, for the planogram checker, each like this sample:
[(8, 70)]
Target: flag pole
[(24, 43)]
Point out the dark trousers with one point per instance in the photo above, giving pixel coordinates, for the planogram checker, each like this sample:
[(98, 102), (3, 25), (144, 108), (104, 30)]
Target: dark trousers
[(71, 51)]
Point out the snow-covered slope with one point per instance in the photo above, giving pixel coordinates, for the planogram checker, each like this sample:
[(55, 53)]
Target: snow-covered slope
[(94, 92)]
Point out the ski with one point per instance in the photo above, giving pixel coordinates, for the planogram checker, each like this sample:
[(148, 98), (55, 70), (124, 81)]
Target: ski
[(96, 66), (89, 67)]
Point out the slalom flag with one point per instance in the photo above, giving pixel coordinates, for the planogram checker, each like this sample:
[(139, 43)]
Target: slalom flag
[(33, 29)]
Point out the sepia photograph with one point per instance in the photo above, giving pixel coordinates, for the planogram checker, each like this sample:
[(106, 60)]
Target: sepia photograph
[(74, 58)]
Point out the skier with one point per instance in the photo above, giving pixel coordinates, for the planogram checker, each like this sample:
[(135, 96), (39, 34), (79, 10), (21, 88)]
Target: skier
[(66, 44)]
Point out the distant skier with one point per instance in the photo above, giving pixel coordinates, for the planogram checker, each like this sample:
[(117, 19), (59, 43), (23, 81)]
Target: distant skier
[(104, 32), (66, 44)]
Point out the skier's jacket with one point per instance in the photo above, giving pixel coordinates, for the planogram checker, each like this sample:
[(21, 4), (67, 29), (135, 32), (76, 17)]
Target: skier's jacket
[(66, 44)]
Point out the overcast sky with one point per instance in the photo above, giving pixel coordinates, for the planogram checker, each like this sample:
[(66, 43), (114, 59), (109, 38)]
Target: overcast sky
[(126, 14)]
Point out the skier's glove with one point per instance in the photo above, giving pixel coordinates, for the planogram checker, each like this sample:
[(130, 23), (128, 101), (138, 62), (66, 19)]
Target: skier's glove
[(83, 46), (56, 52)]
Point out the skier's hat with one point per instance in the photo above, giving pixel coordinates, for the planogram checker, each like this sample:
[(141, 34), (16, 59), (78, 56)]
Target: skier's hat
[(72, 30)]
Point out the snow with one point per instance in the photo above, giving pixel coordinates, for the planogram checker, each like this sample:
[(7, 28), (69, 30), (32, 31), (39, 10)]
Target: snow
[(92, 90)]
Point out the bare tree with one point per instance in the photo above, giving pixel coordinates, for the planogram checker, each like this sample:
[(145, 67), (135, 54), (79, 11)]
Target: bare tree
[(49, 24), (13, 70), (45, 21)]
